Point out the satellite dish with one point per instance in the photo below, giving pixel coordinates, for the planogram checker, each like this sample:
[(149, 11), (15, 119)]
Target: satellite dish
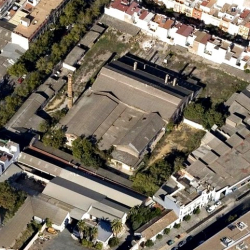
[(15, 8)]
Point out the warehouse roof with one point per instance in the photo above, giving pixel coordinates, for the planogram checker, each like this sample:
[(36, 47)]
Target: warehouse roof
[(145, 87), (74, 56), (24, 117), (91, 196), (33, 206)]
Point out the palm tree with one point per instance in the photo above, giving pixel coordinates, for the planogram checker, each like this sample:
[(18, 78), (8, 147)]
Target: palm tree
[(93, 233), (81, 227), (116, 226)]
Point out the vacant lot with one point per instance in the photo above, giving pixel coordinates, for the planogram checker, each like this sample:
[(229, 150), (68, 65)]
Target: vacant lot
[(183, 138), (112, 44)]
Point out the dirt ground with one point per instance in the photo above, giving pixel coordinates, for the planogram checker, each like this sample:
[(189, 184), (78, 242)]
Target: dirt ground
[(178, 139)]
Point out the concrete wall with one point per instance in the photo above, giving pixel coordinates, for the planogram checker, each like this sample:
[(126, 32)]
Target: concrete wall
[(20, 40), (34, 238), (67, 66), (193, 124), (115, 13)]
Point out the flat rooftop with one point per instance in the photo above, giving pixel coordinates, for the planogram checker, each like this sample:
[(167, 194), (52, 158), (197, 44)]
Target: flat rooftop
[(226, 163), (37, 16)]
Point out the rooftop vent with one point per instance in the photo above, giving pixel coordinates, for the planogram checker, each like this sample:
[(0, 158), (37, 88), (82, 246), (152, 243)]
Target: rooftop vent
[(241, 225)]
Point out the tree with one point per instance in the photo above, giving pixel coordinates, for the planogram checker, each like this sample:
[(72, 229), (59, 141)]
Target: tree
[(7, 196), (81, 227), (93, 233), (166, 230), (187, 217), (177, 225), (44, 126), (86, 152), (196, 211), (98, 246), (116, 226), (159, 236), (44, 65), (149, 243), (48, 222), (18, 69), (114, 241), (55, 138)]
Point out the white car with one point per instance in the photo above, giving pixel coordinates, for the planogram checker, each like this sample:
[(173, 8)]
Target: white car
[(211, 209), (217, 203)]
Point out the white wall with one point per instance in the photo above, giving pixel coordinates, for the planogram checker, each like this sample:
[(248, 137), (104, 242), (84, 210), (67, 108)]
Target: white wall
[(69, 67), (115, 13), (20, 40), (180, 40), (208, 19)]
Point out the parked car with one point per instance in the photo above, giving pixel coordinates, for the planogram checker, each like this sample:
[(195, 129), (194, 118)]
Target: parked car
[(174, 248), (211, 209), (181, 243), (170, 242), (189, 238), (217, 203)]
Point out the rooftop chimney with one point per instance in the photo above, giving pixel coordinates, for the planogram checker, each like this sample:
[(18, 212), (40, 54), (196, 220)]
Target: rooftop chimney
[(135, 65), (166, 78), (174, 81), (70, 91)]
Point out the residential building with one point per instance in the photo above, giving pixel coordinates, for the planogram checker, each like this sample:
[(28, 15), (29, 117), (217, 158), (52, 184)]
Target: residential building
[(229, 17), (200, 41), (234, 236), (9, 152), (33, 18), (184, 35), (183, 193), (197, 13), (4, 6)]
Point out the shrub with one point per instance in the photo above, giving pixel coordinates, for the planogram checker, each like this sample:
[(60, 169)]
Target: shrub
[(166, 230), (98, 246), (176, 225), (196, 211), (247, 71), (48, 222), (87, 243), (114, 241), (149, 243), (159, 236), (187, 217)]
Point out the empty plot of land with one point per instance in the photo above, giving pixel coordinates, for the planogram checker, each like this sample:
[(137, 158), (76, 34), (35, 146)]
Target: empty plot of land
[(183, 138)]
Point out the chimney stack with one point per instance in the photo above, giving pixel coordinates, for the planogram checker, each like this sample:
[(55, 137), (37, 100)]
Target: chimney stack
[(166, 78), (135, 65), (174, 81), (70, 91)]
